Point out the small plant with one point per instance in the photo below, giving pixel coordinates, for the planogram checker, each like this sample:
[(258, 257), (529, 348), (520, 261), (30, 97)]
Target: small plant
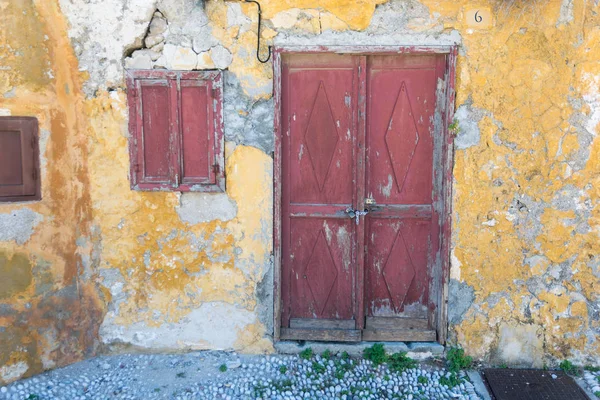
[(33, 397), (306, 354), (156, 390), (282, 369), (457, 359), (400, 362), (375, 354), (318, 368), (568, 367), (451, 381), (180, 375), (422, 380), (223, 368), (345, 355), (283, 385), (597, 394), (591, 368), (598, 379), (453, 128), (326, 354), (503, 366)]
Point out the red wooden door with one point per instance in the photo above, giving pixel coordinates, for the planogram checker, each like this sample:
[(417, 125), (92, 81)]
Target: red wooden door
[(356, 127), (318, 237), (402, 230)]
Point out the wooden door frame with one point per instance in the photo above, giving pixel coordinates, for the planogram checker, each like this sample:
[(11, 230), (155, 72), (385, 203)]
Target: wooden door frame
[(440, 275)]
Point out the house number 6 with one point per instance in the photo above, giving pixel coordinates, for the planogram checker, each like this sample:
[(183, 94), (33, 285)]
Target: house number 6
[(478, 18)]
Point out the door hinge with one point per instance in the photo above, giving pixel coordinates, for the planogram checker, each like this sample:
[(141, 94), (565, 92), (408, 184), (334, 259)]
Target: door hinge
[(136, 168), (216, 168)]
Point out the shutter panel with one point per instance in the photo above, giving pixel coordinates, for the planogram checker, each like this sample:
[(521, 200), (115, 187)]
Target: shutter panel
[(155, 128), (19, 160), (197, 135), (176, 130)]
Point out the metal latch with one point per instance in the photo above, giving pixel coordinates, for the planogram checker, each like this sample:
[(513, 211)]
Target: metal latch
[(356, 214), (370, 202)]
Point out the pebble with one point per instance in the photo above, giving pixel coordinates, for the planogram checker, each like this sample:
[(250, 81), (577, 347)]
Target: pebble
[(259, 377)]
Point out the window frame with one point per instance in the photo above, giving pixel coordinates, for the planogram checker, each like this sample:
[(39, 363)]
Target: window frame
[(26, 126), (213, 80)]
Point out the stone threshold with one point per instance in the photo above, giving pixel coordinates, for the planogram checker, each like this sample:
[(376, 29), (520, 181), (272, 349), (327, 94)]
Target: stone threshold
[(416, 350)]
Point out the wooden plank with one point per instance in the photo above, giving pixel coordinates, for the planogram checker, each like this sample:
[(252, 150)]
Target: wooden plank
[(329, 335), (277, 72), (309, 323), (394, 335), (401, 324), (359, 176), (361, 50)]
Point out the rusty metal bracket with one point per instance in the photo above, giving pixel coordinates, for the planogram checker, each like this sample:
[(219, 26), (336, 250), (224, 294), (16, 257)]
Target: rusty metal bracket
[(258, 33)]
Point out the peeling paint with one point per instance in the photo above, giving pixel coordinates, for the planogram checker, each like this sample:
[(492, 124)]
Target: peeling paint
[(525, 274)]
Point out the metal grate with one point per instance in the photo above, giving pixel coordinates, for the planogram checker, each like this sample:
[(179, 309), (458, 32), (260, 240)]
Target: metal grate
[(532, 384)]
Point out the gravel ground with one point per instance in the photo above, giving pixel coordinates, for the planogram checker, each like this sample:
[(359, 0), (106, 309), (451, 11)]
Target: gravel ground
[(202, 375), (592, 379)]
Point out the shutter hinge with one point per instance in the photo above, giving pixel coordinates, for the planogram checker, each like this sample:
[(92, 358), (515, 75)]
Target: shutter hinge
[(136, 168), (216, 168)]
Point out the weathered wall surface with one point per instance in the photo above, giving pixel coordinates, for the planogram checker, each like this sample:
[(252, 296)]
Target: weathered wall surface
[(49, 314), (170, 271)]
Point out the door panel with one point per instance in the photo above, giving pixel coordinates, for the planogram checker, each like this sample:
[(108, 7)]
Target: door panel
[(357, 127), (318, 239), (396, 275), (401, 231)]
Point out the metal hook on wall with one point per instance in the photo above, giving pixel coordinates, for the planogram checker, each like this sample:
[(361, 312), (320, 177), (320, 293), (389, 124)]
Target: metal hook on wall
[(258, 34)]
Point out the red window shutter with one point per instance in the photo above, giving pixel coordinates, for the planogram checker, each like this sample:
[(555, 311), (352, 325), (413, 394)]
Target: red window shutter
[(176, 133), (19, 159), (196, 128)]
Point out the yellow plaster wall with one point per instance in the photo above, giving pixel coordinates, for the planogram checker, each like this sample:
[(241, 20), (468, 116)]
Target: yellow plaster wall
[(534, 77), (49, 316)]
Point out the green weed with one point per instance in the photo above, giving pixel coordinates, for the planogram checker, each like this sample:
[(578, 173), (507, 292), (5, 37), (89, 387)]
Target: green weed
[(400, 362), (457, 359), (283, 369), (568, 367), (306, 354), (422, 380), (451, 381), (223, 368), (375, 354)]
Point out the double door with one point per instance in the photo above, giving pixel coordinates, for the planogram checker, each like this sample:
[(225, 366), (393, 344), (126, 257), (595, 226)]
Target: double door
[(360, 189)]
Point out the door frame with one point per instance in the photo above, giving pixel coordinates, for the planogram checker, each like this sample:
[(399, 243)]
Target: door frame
[(439, 283)]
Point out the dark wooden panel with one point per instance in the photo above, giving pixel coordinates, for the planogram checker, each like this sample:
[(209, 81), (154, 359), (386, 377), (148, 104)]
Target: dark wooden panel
[(309, 323), (376, 323), (401, 231), (19, 159), (197, 136), (156, 130), (395, 335), (329, 335), (318, 239), (11, 160)]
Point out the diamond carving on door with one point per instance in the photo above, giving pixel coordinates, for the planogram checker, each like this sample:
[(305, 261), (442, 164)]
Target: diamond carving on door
[(321, 273), (401, 137), (357, 128), (321, 136), (398, 272)]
